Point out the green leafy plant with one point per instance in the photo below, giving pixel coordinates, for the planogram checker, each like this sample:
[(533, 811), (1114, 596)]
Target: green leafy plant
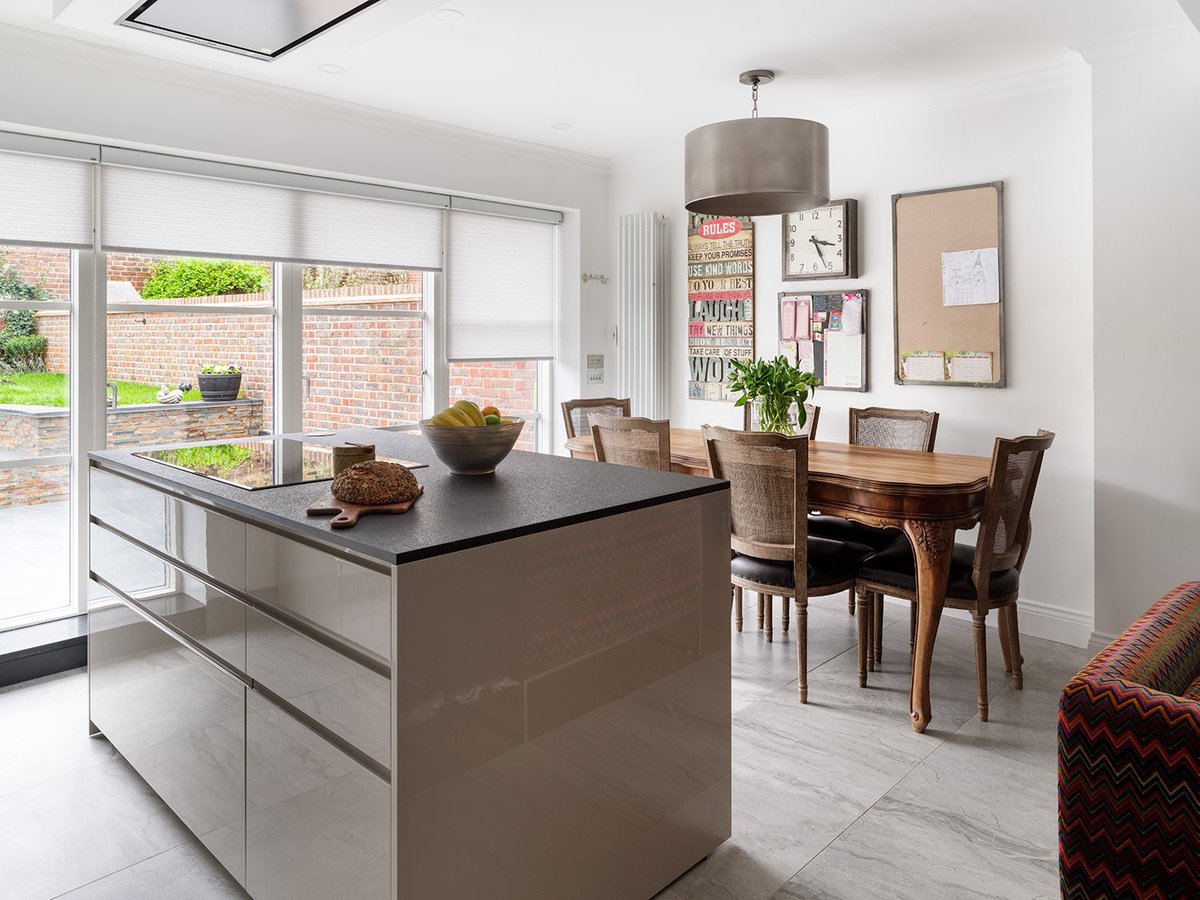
[(25, 352), (775, 385), (174, 278), (221, 370), (20, 323)]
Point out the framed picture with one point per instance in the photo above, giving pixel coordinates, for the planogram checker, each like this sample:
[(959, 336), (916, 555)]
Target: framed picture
[(822, 242), (720, 297)]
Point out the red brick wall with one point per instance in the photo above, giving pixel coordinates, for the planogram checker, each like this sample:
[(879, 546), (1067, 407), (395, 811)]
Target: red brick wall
[(49, 268), (363, 371)]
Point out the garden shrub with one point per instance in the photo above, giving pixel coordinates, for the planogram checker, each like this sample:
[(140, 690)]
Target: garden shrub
[(25, 353), (20, 323), (173, 278)]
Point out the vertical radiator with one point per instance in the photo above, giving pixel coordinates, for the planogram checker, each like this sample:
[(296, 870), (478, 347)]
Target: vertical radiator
[(643, 314)]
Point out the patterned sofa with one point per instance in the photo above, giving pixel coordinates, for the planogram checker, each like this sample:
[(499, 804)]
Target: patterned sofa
[(1129, 761)]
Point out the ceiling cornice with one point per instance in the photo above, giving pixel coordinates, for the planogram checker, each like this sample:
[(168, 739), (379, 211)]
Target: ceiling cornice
[(1151, 40), (39, 45)]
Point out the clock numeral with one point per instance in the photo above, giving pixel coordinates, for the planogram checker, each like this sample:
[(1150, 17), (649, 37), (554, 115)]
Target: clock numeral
[(829, 266), (839, 238)]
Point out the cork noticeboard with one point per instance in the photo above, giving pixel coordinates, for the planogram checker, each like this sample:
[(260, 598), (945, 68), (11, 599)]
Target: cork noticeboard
[(948, 270)]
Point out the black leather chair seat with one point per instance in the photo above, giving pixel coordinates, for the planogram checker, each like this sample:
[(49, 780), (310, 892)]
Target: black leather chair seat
[(895, 567), (829, 562), (835, 528)]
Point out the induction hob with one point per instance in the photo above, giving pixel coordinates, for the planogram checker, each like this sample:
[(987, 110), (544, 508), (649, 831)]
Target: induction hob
[(256, 463)]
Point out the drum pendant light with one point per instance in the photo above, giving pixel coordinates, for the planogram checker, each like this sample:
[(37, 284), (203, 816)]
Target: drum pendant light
[(757, 166)]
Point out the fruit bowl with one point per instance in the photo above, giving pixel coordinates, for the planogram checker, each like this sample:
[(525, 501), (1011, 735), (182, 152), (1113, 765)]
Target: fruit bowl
[(472, 450)]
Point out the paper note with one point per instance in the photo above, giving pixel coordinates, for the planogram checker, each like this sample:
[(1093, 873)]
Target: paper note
[(843, 360), (787, 349), (835, 320), (923, 365), (971, 277), (973, 366), (804, 319), (787, 320), (852, 314)]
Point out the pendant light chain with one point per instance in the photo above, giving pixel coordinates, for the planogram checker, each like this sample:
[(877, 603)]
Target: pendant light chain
[(754, 97)]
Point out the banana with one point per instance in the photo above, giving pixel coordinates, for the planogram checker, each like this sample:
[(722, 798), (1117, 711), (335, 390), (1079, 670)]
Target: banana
[(470, 410), (451, 416)]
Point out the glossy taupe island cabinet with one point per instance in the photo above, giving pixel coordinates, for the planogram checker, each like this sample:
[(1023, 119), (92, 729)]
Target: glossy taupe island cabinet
[(519, 689)]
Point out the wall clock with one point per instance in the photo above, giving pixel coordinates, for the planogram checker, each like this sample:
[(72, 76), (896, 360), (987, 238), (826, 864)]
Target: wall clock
[(822, 242)]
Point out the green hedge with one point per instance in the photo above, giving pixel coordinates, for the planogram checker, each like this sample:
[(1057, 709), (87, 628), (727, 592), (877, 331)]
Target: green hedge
[(173, 278), (25, 353)]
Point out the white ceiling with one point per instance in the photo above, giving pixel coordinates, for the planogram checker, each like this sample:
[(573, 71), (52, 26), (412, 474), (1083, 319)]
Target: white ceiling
[(629, 74)]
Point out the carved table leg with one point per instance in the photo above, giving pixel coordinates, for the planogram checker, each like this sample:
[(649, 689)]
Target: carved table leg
[(931, 543)]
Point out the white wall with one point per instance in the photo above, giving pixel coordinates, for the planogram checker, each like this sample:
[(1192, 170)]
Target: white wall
[(1146, 124), (1035, 139), (74, 90)]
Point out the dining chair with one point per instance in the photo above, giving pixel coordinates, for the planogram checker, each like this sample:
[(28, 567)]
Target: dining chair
[(632, 441), (984, 577), (576, 412), (812, 415), (768, 505), (893, 429)]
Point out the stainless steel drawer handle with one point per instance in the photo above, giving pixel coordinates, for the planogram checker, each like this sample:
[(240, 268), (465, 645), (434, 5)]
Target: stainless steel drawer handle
[(168, 629)]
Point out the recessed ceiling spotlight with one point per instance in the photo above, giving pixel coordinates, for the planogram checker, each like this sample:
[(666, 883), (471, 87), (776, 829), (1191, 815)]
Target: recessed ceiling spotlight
[(449, 15), (331, 68), (561, 126)]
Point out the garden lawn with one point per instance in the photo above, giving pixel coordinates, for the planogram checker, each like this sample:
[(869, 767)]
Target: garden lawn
[(52, 389)]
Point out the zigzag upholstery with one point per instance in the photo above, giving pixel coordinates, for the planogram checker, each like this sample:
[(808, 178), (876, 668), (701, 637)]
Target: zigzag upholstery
[(1129, 761)]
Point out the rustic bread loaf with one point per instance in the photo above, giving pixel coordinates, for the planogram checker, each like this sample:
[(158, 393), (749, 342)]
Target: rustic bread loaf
[(375, 482)]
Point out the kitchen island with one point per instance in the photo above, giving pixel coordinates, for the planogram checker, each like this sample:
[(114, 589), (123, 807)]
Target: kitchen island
[(518, 689)]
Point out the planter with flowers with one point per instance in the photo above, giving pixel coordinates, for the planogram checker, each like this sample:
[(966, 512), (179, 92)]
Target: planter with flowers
[(220, 383)]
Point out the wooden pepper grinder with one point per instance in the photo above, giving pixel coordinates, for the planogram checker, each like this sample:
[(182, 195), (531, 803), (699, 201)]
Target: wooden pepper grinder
[(347, 455)]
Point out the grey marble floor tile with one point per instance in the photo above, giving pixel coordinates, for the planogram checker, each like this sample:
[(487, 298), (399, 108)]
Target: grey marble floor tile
[(65, 833), (978, 787), (1022, 725), (760, 668), (45, 733), (185, 872), (901, 850)]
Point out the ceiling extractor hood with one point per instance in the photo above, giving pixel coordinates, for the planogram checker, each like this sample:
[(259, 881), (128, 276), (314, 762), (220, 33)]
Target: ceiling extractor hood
[(265, 29)]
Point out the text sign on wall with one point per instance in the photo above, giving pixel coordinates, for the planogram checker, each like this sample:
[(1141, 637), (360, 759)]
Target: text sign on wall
[(720, 301)]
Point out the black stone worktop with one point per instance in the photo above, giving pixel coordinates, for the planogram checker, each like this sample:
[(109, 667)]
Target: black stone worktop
[(530, 492)]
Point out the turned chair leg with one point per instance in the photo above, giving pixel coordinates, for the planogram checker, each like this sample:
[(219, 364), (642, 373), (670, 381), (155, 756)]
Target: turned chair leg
[(737, 607), (802, 644), (786, 614), (1005, 643), (877, 611), (1014, 644), (761, 608), (980, 629), (864, 635), (769, 617), (851, 603)]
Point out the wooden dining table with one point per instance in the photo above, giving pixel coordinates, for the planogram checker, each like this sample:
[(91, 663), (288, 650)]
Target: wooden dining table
[(927, 495)]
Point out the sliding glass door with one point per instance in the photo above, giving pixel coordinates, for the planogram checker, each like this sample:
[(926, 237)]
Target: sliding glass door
[(35, 433)]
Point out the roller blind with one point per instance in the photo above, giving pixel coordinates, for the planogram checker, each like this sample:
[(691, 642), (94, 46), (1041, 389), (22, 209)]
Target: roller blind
[(150, 210), (45, 201), (501, 287)]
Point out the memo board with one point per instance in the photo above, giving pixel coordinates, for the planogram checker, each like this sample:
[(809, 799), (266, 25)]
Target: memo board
[(948, 266), (826, 334)]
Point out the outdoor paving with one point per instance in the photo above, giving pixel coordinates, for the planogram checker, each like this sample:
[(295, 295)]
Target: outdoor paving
[(34, 558)]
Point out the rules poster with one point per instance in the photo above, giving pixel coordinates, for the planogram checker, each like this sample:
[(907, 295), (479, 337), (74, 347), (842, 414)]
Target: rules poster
[(720, 301)]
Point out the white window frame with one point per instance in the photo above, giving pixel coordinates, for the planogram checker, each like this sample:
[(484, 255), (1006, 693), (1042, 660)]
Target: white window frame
[(88, 310)]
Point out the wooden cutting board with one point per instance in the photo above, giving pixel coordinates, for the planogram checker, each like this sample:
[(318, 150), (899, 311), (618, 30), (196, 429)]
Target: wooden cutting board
[(346, 515)]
